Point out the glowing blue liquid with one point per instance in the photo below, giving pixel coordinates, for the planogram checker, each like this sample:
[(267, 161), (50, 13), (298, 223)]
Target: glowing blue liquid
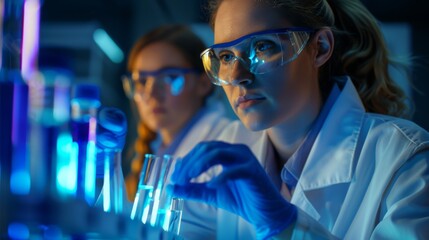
[(142, 203), (172, 220), (18, 231), (113, 185), (83, 134), (66, 172), (13, 132)]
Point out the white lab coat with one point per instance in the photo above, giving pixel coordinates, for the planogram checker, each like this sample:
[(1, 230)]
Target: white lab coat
[(208, 127), (199, 220), (366, 177)]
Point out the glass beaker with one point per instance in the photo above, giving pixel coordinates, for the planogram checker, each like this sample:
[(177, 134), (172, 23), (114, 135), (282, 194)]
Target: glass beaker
[(111, 134)]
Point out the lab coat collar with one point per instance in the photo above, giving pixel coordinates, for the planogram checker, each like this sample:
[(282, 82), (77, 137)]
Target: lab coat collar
[(330, 160)]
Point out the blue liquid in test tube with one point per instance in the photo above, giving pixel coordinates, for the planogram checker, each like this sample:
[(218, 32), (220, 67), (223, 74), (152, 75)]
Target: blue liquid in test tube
[(14, 175), (85, 105)]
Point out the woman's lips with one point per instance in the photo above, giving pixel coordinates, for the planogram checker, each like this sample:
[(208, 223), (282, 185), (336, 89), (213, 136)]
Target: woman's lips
[(158, 110), (247, 101)]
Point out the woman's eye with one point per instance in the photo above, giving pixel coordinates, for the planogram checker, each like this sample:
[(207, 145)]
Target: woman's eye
[(263, 46), (171, 78), (141, 81), (176, 83), (226, 57)]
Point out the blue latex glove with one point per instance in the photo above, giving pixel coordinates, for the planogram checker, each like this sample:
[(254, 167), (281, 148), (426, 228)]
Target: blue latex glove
[(242, 187)]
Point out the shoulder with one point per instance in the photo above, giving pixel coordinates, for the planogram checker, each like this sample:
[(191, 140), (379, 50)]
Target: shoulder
[(392, 128)]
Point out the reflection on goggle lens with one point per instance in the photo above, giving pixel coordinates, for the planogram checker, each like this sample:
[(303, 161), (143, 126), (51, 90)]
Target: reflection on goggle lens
[(259, 52), (172, 79)]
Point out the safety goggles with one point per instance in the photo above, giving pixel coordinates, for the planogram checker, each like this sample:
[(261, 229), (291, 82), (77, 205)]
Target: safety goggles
[(259, 53), (168, 79)]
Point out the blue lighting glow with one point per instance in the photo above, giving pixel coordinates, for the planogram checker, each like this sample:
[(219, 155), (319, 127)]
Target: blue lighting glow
[(18, 231), (20, 182), (106, 186), (90, 168), (66, 164), (30, 37), (90, 172), (108, 46), (20, 175)]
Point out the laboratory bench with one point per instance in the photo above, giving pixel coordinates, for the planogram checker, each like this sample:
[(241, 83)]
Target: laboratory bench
[(54, 218)]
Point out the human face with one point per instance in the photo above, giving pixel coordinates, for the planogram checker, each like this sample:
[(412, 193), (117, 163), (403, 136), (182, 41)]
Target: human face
[(287, 95), (159, 108)]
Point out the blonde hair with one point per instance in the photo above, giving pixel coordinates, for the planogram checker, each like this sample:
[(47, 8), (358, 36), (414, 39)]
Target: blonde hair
[(359, 52)]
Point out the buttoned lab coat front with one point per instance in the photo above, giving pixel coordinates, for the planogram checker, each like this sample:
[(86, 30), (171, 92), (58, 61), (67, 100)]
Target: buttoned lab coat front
[(366, 177)]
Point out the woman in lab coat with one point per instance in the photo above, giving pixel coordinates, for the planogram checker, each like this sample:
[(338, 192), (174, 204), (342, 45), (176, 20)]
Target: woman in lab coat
[(315, 154), (177, 109)]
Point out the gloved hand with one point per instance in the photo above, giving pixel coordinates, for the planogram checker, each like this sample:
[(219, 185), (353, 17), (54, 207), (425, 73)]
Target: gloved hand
[(242, 187)]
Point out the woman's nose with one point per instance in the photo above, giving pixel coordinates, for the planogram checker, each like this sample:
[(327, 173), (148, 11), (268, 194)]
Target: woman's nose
[(240, 75), (154, 88)]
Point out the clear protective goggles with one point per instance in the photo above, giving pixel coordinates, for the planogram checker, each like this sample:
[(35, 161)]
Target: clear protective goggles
[(171, 79), (259, 53)]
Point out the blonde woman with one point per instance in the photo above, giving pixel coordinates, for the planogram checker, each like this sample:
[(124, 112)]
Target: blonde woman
[(319, 151)]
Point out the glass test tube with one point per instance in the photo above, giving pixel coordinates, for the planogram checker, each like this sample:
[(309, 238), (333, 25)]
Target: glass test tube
[(84, 106)]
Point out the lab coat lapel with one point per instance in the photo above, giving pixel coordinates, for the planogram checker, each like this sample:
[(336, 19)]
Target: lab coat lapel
[(330, 161)]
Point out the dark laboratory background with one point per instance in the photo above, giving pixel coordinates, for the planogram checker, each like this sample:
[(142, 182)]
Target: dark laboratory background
[(67, 28)]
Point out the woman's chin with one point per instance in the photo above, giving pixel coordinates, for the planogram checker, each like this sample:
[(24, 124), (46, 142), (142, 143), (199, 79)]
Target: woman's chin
[(254, 124)]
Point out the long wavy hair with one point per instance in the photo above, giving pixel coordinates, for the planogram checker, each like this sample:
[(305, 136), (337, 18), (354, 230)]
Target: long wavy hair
[(190, 46), (359, 52)]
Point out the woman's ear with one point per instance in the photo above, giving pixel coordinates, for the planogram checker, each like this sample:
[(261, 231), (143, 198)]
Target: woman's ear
[(324, 40)]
